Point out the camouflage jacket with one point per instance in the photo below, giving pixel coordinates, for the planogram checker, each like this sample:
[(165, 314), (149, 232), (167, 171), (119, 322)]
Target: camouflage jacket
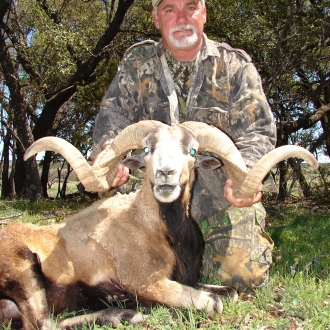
[(225, 91)]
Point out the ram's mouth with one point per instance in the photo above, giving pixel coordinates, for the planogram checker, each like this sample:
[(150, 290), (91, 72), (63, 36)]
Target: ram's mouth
[(166, 193), (165, 188)]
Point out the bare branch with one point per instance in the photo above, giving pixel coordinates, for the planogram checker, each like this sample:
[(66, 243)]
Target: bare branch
[(306, 122), (51, 13), (14, 134), (4, 6), (9, 217)]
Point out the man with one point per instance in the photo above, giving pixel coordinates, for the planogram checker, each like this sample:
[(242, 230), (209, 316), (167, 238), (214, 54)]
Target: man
[(185, 77)]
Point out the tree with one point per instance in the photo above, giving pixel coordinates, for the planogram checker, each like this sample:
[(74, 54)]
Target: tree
[(46, 52), (57, 59)]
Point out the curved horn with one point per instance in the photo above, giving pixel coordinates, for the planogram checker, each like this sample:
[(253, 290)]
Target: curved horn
[(98, 177), (245, 183), (131, 137), (128, 139), (77, 161), (214, 140), (266, 163)]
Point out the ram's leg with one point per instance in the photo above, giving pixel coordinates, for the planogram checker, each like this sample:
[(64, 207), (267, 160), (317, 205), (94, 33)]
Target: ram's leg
[(174, 294), (34, 309), (225, 292), (8, 312), (113, 316), (22, 282)]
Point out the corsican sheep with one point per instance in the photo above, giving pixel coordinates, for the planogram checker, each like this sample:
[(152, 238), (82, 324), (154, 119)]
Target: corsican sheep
[(138, 248)]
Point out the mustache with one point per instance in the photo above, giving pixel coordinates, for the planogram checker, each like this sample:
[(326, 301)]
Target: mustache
[(182, 27)]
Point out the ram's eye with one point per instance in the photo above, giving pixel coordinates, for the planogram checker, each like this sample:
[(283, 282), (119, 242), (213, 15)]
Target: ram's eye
[(192, 152), (146, 150)]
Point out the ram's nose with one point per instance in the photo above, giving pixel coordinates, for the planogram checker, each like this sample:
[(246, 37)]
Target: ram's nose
[(165, 174)]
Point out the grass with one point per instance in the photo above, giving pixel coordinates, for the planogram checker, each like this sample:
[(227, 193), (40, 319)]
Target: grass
[(296, 297), (41, 212)]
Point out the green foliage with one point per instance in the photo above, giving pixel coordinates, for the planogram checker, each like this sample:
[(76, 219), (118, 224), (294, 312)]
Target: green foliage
[(56, 48), (318, 182)]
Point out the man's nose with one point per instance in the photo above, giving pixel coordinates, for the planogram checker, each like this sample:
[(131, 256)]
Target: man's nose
[(182, 17)]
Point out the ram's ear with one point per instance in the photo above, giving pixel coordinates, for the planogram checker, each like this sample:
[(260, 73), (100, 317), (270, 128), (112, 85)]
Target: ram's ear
[(207, 162), (134, 162)]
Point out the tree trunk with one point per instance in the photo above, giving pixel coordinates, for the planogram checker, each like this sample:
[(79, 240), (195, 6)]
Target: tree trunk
[(283, 183), (13, 171), (282, 139), (65, 181), (5, 189), (22, 131), (296, 167), (59, 175), (45, 172), (27, 178), (326, 128), (20, 175)]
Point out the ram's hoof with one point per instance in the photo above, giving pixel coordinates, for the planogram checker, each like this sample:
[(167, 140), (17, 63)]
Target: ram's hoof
[(225, 292)]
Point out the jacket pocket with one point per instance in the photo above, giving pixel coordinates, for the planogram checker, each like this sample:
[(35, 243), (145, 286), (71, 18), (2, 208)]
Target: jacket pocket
[(215, 116)]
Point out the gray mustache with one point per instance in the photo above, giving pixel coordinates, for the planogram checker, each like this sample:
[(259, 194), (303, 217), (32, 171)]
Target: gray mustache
[(183, 27)]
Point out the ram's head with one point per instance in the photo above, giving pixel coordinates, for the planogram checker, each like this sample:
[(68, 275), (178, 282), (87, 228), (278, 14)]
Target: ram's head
[(170, 158)]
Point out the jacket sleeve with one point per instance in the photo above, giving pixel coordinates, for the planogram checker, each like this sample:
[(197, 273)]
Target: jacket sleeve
[(251, 120)]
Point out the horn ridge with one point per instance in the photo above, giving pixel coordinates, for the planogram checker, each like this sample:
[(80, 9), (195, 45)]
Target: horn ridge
[(259, 171), (245, 183), (72, 155), (213, 140)]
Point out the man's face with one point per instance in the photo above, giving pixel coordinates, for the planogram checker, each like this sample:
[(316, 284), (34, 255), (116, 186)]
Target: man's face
[(181, 23)]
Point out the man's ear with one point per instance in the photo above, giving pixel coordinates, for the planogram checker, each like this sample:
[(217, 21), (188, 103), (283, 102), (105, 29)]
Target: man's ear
[(155, 18), (204, 14)]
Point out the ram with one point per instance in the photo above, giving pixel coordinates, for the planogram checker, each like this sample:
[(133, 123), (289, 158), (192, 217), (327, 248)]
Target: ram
[(137, 248)]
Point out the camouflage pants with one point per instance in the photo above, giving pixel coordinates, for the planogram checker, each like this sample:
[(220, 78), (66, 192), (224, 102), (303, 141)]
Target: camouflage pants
[(237, 249)]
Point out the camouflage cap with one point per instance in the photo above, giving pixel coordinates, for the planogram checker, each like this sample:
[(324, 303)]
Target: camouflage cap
[(155, 2)]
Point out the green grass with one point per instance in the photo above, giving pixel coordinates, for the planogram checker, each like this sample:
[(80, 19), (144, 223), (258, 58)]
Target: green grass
[(40, 212), (296, 297), (302, 238)]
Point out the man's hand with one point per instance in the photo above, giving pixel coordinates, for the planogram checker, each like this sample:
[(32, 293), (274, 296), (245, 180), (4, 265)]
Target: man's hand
[(122, 173), (240, 202), (121, 176)]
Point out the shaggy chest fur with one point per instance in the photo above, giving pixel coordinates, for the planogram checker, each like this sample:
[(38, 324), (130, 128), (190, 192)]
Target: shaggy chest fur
[(187, 243)]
